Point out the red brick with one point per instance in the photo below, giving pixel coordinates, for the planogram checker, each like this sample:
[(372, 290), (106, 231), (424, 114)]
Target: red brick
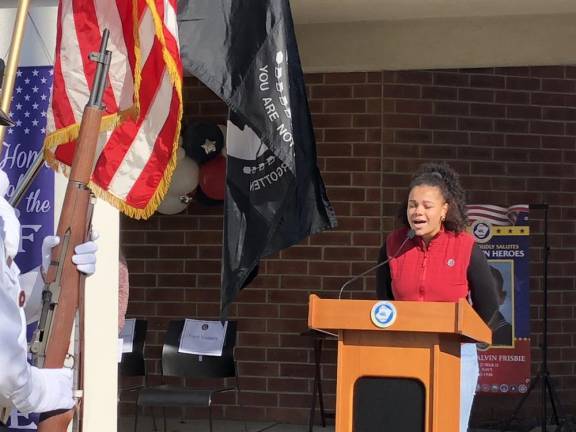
[(344, 135), (210, 252), (345, 164), (366, 120), (141, 251), (345, 78), (294, 311), (439, 152), (401, 91), (177, 280), (414, 77), (413, 136), (487, 110), (451, 79), (514, 83), (164, 266), (511, 126), (445, 137), (258, 310), (340, 254), (370, 150), (332, 120), (472, 152), (547, 71), (475, 95), (345, 106), (334, 149), (438, 122), (558, 85), (286, 384), (365, 209), (372, 136), (373, 106), (452, 108), (564, 114), (509, 183), (414, 106), (512, 97), (367, 91), (330, 92), (548, 99), (440, 93), (487, 81), (524, 112), (288, 296), (545, 155), (302, 252), (547, 127), (523, 141), (337, 179), (475, 124), (404, 121), (164, 294)]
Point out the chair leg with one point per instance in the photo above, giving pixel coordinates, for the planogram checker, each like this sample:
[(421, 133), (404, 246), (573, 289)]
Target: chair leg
[(136, 419), (210, 417), (239, 398), (164, 414), (155, 428)]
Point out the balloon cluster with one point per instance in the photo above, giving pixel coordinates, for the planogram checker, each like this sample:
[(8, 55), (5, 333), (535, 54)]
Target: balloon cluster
[(200, 173)]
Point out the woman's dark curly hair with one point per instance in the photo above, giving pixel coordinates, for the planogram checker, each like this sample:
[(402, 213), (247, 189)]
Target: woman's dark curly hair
[(440, 175)]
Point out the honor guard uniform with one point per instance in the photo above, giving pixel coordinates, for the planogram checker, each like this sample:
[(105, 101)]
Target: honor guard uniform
[(25, 387)]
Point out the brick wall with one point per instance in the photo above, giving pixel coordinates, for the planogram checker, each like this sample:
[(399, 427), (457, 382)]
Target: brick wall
[(509, 132)]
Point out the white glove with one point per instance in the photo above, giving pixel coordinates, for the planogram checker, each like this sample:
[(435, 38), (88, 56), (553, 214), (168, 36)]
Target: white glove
[(53, 390), (84, 254)]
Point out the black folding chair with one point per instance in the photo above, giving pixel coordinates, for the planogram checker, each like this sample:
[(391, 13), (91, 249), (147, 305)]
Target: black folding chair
[(132, 364), (178, 364)]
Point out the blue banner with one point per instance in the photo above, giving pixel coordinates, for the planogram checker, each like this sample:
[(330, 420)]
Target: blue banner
[(503, 235), (21, 146)]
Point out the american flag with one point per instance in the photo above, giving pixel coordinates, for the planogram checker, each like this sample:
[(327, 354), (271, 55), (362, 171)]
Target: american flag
[(137, 150), (496, 215)]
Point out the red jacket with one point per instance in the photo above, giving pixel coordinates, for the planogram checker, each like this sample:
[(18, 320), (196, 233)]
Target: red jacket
[(433, 273)]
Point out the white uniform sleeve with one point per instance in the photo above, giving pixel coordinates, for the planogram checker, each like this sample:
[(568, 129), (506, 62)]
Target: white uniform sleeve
[(28, 388)]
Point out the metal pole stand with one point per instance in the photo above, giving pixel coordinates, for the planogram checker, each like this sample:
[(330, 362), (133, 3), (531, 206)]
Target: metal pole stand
[(543, 376)]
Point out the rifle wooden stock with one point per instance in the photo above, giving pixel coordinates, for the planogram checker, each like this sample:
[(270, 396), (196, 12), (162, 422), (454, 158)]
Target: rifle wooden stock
[(73, 223)]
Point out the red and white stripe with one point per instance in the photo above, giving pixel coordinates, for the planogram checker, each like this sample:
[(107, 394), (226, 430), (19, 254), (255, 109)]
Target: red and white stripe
[(496, 215), (137, 149)]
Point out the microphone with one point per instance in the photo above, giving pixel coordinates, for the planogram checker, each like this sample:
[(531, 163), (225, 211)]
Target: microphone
[(409, 236)]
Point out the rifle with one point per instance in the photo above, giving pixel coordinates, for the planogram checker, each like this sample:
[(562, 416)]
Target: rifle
[(64, 285)]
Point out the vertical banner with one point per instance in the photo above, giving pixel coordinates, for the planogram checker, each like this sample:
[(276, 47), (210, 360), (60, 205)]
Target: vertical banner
[(503, 235), (22, 144)]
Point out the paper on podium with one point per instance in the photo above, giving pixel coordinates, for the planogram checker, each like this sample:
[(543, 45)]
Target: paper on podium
[(203, 337), (127, 335)]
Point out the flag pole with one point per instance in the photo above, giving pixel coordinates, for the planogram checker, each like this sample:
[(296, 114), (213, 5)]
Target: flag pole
[(13, 61)]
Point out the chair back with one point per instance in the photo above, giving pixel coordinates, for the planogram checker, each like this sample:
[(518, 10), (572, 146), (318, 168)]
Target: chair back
[(133, 363), (175, 363)]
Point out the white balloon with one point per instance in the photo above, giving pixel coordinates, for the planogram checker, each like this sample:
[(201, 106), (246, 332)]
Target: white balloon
[(171, 205), (185, 177)]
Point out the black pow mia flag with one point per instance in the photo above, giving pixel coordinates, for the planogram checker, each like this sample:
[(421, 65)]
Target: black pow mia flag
[(246, 52)]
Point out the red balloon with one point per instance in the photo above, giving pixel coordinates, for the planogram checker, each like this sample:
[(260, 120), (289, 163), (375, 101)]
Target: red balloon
[(213, 177)]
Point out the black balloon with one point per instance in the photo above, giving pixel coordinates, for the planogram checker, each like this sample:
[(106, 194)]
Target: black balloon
[(202, 141)]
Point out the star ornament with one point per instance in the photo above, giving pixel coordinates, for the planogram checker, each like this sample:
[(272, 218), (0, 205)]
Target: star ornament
[(209, 146)]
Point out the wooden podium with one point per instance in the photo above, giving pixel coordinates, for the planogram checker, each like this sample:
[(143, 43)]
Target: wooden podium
[(417, 356)]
